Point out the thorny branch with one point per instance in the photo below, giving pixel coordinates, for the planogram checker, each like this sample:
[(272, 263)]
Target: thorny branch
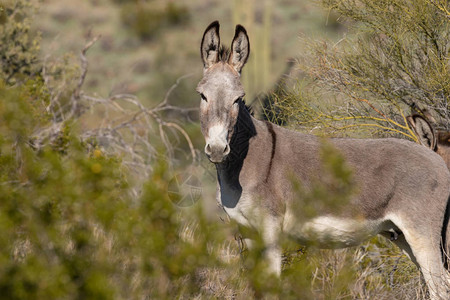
[(128, 132)]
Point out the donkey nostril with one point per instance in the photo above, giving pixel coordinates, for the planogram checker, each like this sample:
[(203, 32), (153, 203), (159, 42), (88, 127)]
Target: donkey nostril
[(226, 150), (208, 149)]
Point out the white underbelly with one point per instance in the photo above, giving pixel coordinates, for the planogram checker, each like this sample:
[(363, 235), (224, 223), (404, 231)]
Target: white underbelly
[(333, 232)]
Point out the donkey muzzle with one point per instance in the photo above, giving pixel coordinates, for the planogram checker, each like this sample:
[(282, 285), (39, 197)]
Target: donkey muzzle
[(217, 152), (217, 147)]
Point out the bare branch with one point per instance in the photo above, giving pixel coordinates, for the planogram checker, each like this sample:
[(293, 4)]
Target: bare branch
[(128, 128), (75, 111), (172, 88)]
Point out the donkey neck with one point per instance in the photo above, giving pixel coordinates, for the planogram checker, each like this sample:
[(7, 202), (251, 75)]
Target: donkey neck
[(228, 171), (243, 132)]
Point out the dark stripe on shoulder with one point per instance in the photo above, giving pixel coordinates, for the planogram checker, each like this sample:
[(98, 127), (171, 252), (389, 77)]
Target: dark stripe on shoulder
[(274, 143), (444, 248)]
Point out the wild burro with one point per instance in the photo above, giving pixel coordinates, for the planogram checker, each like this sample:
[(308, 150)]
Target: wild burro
[(257, 163)]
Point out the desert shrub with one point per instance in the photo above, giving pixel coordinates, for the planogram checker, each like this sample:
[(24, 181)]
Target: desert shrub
[(394, 61), (71, 228), (19, 44), (176, 14), (146, 19), (46, 231)]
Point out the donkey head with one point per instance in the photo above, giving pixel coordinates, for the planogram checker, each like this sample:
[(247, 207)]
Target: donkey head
[(221, 89)]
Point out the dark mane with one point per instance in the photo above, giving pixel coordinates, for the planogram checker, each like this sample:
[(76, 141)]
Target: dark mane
[(248, 108), (224, 53)]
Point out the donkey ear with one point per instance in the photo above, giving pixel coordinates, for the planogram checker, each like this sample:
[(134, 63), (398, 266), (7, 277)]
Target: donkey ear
[(424, 131), (240, 49), (209, 48)]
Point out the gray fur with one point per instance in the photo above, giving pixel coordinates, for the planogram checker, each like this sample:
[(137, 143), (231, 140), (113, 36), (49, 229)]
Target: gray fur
[(257, 162)]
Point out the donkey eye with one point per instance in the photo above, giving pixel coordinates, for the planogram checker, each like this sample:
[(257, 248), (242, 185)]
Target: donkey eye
[(203, 97), (237, 100)]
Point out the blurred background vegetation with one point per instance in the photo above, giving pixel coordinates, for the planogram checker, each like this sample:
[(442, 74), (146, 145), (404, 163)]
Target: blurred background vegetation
[(98, 114)]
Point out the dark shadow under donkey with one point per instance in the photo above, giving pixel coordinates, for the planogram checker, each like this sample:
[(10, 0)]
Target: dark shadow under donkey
[(256, 161)]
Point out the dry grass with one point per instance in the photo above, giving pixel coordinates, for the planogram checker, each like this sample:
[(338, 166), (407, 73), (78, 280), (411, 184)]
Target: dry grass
[(374, 270)]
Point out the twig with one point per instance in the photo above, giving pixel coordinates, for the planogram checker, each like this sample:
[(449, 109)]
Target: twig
[(172, 88), (75, 111)]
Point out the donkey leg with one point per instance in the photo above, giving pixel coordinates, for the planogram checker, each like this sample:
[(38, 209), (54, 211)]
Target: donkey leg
[(406, 249), (427, 254), (434, 273), (271, 236)]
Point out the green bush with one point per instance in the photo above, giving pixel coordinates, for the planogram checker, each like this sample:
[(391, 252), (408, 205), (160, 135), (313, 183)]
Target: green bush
[(393, 61), (71, 229), (176, 14), (146, 20), (19, 44)]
